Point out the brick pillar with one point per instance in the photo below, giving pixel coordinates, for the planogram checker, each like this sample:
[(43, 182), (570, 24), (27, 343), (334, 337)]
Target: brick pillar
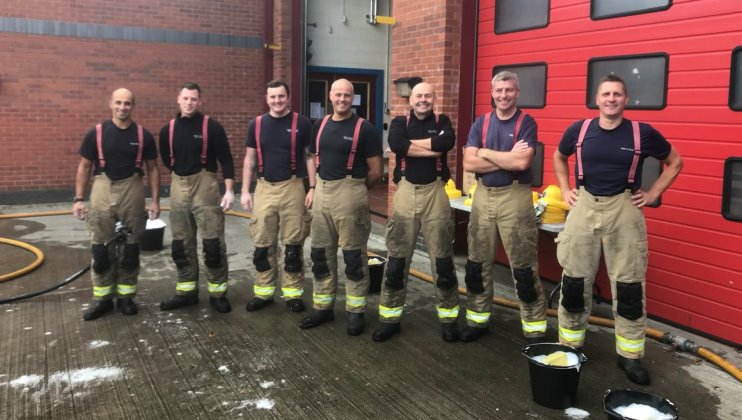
[(426, 43)]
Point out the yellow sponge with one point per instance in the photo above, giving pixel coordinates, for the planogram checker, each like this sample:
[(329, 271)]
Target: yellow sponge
[(558, 358)]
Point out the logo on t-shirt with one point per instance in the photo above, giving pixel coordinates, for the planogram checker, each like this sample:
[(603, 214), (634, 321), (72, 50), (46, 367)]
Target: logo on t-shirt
[(134, 144), (627, 149), (198, 136), (349, 138)]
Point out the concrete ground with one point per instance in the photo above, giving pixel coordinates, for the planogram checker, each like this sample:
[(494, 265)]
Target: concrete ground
[(196, 363)]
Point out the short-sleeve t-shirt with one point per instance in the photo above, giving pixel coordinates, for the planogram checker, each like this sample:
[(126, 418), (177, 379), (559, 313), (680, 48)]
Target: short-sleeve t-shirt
[(607, 154), (120, 148), (500, 138), (275, 145), (335, 146)]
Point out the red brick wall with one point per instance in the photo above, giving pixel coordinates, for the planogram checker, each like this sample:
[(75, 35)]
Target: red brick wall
[(425, 43), (53, 89)]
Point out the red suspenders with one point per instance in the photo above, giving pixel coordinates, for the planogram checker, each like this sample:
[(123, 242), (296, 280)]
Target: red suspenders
[(353, 147), (516, 132), (486, 127), (294, 122), (634, 162), (204, 138), (438, 164), (99, 143)]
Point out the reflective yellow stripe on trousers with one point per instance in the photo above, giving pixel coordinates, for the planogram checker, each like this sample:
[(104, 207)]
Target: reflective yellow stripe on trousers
[(355, 301), (478, 317), (100, 291), (572, 335), (264, 290), (323, 299), (185, 286), (126, 289), (217, 287), (533, 327), (387, 312), (631, 346), (448, 313), (290, 292)]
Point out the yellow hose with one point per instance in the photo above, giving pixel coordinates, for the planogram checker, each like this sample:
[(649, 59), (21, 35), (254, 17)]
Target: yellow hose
[(605, 322), (29, 268)]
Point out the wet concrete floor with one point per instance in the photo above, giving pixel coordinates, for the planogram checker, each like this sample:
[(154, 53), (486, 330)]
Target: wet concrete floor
[(194, 363)]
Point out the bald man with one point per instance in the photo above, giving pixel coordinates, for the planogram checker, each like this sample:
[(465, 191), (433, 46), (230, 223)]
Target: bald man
[(115, 151), (348, 156), (421, 141)]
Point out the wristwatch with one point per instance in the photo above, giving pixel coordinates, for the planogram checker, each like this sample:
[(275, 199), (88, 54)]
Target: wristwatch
[(76, 199)]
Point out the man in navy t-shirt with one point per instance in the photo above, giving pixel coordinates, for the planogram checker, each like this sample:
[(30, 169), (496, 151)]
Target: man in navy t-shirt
[(607, 214)]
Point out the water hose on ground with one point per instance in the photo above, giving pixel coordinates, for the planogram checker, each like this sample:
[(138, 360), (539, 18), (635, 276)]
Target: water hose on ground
[(29, 268)]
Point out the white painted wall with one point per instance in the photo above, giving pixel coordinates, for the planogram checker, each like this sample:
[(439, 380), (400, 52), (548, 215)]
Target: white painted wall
[(343, 38), (350, 41)]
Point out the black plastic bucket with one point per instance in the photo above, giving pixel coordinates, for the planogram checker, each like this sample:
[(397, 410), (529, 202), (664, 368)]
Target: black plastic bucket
[(375, 273), (153, 235), (553, 386), (622, 397)]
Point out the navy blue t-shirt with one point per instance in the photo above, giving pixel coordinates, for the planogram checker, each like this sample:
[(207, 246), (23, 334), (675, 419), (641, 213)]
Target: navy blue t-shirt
[(607, 154), (335, 145), (500, 138), (275, 145)]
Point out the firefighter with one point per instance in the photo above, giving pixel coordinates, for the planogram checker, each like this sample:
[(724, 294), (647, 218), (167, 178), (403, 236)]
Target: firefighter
[(278, 153), (348, 157), (190, 146), (499, 151), (116, 150), (421, 141), (607, 214)]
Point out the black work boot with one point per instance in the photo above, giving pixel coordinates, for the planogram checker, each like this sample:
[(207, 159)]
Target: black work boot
[(634, 370), (257, 304), (386, 331), (295, 305), (470, 334), (450, 332), (178, 301), (98, 309), (355, 323), (317, 318), (220, 304), (126, 306)]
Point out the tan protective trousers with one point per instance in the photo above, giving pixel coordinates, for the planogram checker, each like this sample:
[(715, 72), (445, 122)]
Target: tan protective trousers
[(504, 213), (615, 225), (112, 201), (279, 207), (340, 217), (194, 208), (417, 207)]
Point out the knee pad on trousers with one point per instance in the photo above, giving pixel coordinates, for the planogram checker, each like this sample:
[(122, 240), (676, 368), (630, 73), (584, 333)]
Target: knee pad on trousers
[(292, 259), (473, 278), (101, 262), (212, 253), (130, 261), (573, 289), (395, 273), (446, 274), (353, 264), (524, 284), (260, 259), (179, 255), (319, 263), (629, 297)]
